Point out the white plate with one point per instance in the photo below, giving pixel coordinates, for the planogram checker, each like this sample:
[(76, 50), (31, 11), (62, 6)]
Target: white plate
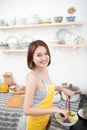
[(62, 33), (80, 113)]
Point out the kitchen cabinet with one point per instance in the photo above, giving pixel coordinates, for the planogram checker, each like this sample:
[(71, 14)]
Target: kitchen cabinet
[(62, 24)]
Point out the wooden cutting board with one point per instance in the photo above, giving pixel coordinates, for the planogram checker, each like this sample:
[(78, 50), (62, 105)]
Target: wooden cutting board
[(15, 101)]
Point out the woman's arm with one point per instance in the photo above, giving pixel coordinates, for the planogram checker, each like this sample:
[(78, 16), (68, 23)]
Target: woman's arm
[(67, 92), (29, 109)]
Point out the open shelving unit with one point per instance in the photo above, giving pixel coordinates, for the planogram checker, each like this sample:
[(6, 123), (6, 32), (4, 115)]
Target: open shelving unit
[(41, 25), (13, 50), (73, 46)]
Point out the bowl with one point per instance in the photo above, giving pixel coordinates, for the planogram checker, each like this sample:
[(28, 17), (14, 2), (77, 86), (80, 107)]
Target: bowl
[(58, 19), (70, 18), (72, 120)]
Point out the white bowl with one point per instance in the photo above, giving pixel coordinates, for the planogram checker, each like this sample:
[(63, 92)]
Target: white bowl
[(65, 124), (74, 97)]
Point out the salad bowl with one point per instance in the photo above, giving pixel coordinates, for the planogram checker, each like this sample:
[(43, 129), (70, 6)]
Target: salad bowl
[(72, 119)]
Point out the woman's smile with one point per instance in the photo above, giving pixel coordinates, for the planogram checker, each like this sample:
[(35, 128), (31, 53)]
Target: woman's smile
[(41, 57)]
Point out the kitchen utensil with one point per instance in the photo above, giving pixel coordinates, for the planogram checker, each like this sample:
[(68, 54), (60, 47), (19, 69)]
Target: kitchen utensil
[(68, 103)]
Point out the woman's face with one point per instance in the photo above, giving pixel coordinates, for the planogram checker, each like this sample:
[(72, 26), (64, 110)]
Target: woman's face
[(41, 57)]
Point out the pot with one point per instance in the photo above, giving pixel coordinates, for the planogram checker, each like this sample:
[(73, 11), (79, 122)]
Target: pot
[(76, 93)]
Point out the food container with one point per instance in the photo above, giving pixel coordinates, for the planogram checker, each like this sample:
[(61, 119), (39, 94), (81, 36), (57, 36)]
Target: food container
[(76, 93)]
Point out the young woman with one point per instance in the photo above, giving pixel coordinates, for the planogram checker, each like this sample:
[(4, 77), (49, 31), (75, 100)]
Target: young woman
[(39, 88)]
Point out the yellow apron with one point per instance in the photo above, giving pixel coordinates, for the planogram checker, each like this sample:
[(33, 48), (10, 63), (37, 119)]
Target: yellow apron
[(40, 122)]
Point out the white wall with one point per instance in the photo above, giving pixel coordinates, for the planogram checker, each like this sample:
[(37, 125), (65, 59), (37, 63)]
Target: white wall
[(68, 65)]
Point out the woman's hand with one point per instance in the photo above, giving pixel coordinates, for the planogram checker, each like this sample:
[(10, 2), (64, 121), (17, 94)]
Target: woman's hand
[(67, 92), (62, 112)]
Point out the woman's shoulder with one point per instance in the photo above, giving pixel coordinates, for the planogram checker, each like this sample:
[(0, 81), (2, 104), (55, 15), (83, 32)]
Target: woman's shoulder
[(32, 76)]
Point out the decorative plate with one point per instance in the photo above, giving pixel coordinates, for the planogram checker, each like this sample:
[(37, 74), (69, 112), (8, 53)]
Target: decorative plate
[(62, 33)]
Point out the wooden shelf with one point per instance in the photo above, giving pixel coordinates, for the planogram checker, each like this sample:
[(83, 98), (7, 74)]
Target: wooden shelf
[(13, 50), (41, 25), (67, 45), (52, 45)]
